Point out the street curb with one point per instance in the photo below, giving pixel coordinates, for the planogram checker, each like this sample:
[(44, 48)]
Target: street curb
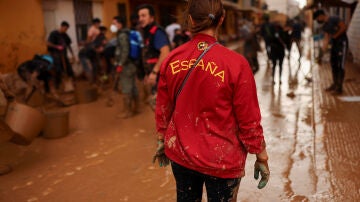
[(323, 186)]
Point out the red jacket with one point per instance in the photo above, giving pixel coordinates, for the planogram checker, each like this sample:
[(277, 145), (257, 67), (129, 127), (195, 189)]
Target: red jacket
[(216, 121)]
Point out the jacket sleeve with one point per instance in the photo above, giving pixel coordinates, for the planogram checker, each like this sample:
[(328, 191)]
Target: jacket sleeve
[(247, 111), (122, 49), (164, 104)]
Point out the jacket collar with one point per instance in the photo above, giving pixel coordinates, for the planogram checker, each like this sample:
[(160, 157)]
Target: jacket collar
[(204, 37)]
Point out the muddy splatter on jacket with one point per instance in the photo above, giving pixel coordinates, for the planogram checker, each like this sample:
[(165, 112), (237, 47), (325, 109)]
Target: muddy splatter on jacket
[(216, 121)]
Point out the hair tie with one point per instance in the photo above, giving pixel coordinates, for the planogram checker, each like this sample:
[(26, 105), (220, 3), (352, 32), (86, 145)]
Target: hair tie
[(212, 16)]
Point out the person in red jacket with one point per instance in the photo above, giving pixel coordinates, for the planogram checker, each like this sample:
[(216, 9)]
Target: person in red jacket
[(207, 129)]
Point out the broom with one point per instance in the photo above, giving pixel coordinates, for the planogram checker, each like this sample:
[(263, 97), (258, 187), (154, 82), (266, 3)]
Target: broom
[(68, 84)]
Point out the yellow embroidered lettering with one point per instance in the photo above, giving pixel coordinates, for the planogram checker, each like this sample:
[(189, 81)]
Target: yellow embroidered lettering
[(175, 67), (201, 64), (184, 65), (220, 74), (211, 68), (191, 63)]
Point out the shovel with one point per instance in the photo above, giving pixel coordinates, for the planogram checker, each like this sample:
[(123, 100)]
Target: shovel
[(68, 84)]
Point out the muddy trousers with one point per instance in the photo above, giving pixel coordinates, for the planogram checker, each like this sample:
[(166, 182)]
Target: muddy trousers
[(189, 186), (337, 60), (127, 110), (129, 89)]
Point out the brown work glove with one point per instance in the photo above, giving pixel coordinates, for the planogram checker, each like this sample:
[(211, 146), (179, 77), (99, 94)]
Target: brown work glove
[(261, 166), (160, 154)]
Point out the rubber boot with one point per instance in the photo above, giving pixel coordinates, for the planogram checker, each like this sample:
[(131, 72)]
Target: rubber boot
[(127, 112), (273, 74), (280, 70), (136, 109), (110, 100)]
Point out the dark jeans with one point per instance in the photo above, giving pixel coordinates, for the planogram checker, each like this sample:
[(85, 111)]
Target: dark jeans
[(89, 55), (61, 61), (148, 68), (109, 54), (189, 186)]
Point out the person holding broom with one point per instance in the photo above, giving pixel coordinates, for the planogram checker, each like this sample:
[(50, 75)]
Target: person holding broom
[(58, 43)]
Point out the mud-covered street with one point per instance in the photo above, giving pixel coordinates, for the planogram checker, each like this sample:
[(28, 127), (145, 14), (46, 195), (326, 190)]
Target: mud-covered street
[(312, 141)]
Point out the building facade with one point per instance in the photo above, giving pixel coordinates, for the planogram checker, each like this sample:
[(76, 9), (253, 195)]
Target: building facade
[(22, 32), (354, 35)]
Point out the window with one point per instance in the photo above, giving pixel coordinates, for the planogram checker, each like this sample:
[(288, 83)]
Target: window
[(122, 10), (83, 16)]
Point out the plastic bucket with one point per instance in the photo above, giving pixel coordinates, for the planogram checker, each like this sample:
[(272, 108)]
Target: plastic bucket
[(56, 124), (25, 121), (86, 95)]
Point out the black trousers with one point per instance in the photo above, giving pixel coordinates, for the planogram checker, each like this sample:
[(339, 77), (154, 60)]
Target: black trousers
[(61, 61), (109, 54), (337, 60), (189, 186), (277, 53)]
